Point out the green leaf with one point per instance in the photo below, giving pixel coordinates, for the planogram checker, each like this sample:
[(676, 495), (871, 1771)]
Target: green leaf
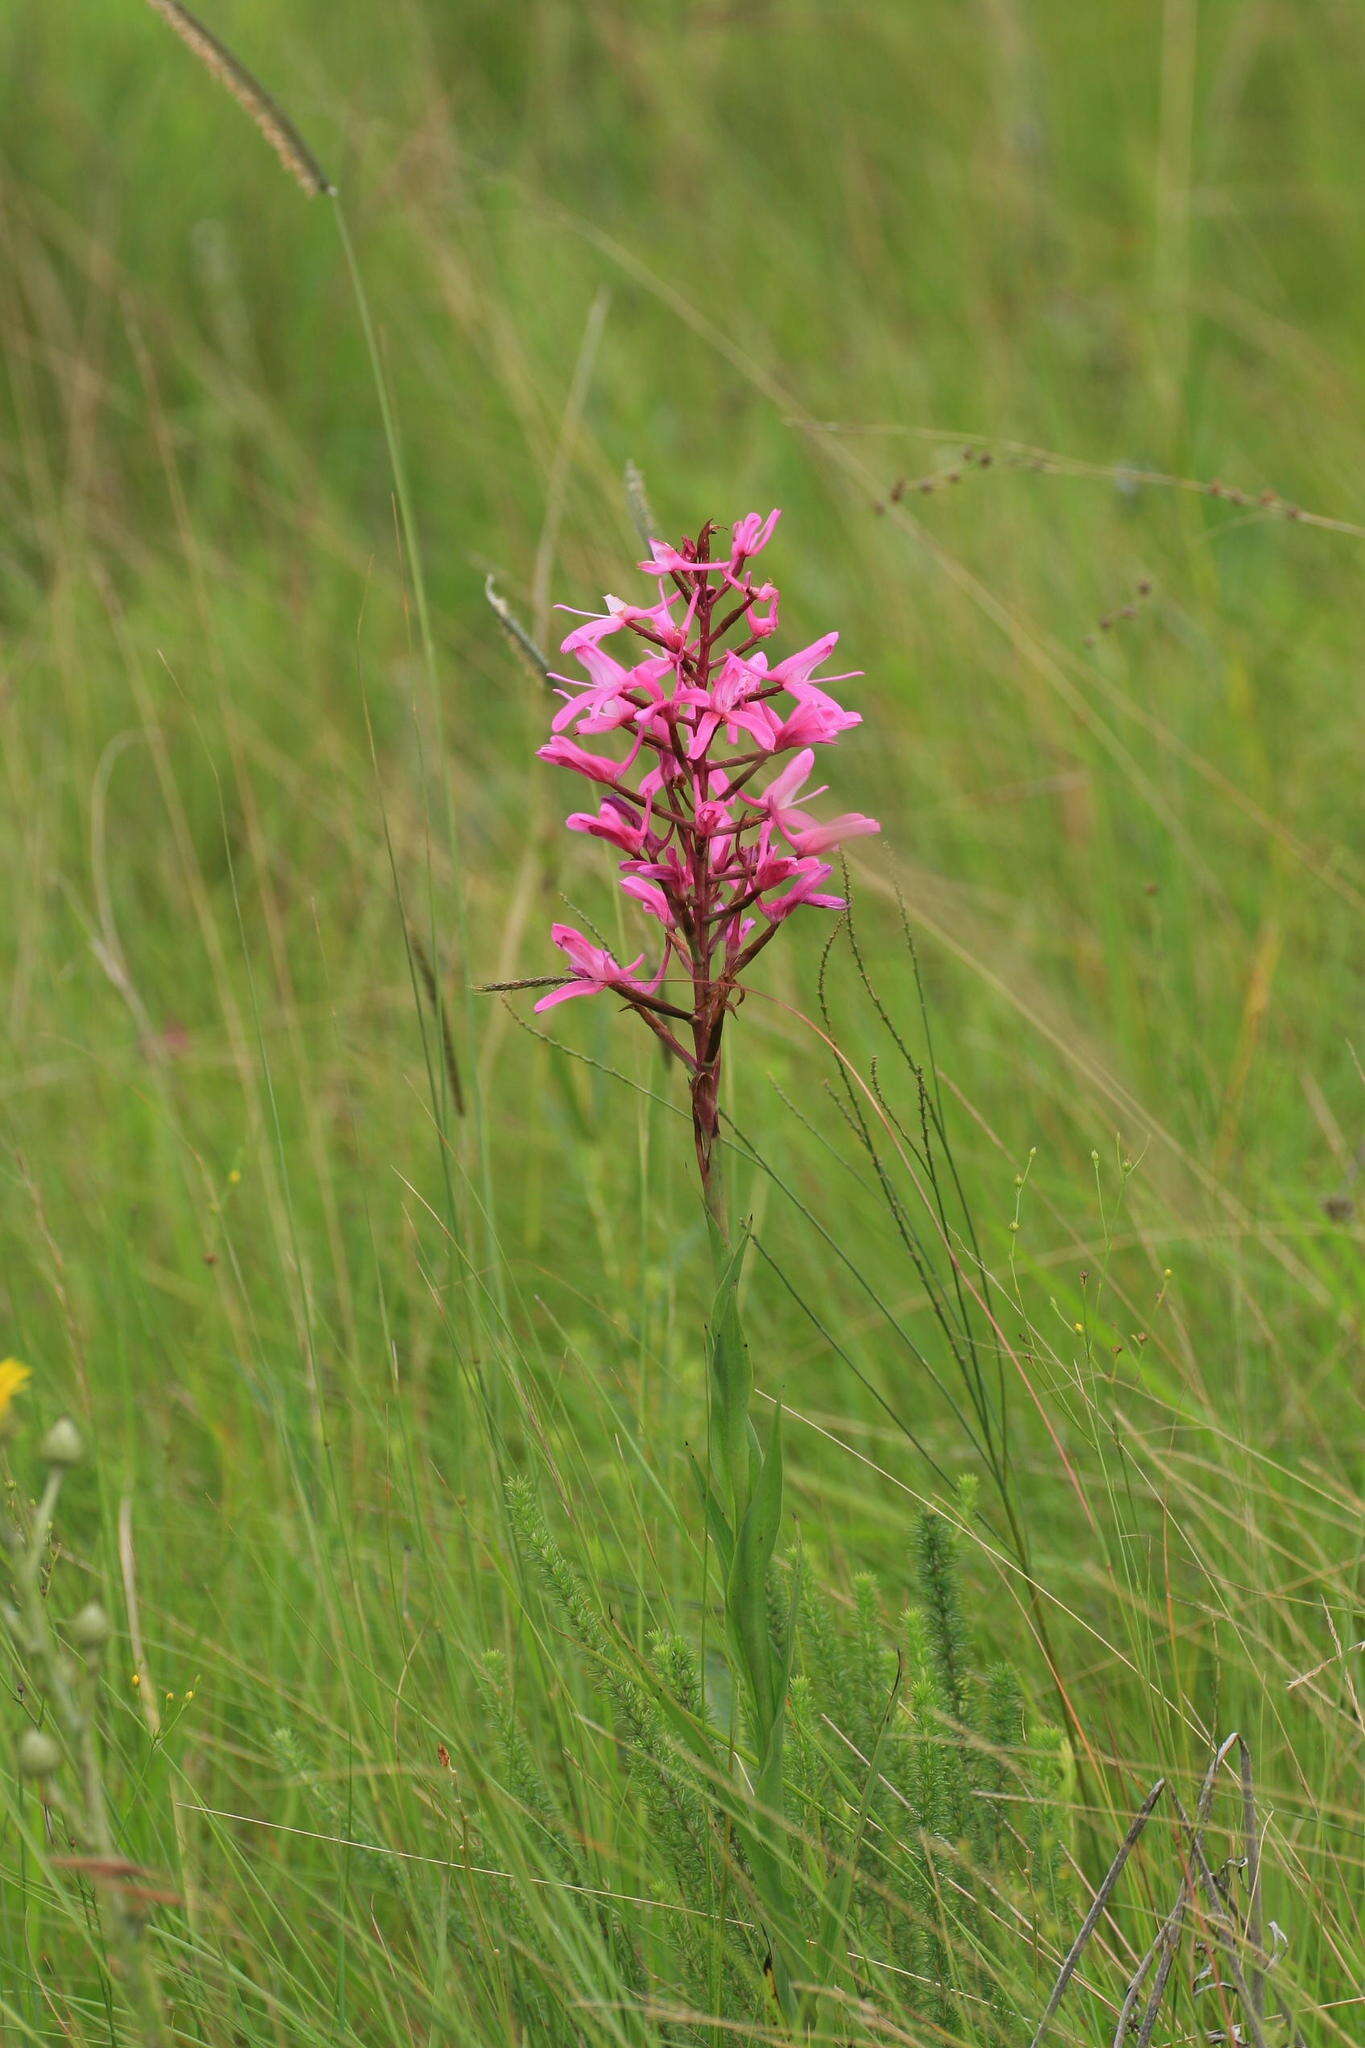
[(732, 1382), (717, 1521), (747, 1589)]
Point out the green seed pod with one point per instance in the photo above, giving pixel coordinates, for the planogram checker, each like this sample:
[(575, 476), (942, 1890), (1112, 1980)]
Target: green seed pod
[(62, 1445), (39, 1755), (91, 1628)]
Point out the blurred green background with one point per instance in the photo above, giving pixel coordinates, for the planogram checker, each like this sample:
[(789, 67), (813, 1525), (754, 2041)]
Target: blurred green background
[(1046, 327)]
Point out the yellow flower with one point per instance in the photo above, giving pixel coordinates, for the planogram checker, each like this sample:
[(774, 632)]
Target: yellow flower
[(12, 1378)]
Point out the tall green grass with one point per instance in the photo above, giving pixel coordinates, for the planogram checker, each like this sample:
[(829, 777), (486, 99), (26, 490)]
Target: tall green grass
[(315, 1323)]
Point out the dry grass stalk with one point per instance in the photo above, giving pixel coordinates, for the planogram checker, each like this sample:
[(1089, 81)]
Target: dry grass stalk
[(278, 130), (1234, 1933), (441, 1014)]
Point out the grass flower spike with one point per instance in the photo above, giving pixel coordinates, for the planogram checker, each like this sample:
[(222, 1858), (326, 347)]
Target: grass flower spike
[(699, 802)]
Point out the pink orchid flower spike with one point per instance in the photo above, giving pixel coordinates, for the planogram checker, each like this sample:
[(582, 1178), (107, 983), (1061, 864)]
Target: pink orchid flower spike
[(718, 861)]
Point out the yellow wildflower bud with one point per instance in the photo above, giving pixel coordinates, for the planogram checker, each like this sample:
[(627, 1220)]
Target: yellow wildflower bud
[(13, 1377)]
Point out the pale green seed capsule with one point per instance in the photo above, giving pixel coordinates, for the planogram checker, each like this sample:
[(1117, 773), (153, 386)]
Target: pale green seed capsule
[(39, 1755), (62, 1444), (91, 1628)]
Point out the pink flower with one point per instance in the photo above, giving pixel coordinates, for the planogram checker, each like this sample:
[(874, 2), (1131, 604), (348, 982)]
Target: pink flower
[(666, 773), (763, 623), (594, 970), (805, 833), (608, 703), (805, 890), (650, 897), (816, 720), (564, 753), (768, 870), (593, 630), (731, 700), (652, 618), (657, 618), (603, 669), (815, 838), (720, 702), (617, 822), (737, 932), (795, 672), (713, 819), (667, 868), (776, 800), (667, 561), (751, 535)]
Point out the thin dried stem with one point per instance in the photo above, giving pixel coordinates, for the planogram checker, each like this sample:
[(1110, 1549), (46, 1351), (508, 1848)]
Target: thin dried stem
[(637, 498), (511, 625), (441, 1013), (1092, 1918)]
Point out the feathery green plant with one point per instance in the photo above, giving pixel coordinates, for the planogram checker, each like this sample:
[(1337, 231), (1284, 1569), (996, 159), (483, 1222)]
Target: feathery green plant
[(923, 1822)]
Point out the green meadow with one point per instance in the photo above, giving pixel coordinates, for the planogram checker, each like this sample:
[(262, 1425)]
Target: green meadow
[(380, 1302)]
